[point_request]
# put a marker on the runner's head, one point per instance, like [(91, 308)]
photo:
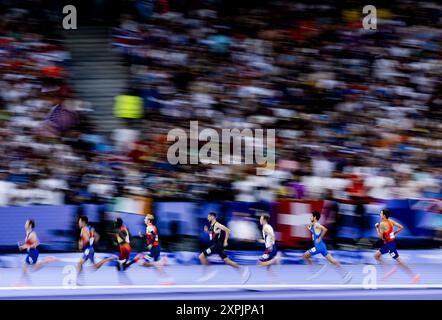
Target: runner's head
[(264, 219), (83, 221), (385, 214), (29, 224), (315, 216), (211, 217), (149, 219), (118, 223)]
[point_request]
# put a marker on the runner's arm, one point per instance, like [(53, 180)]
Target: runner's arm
[(271, 234), (323, 231), (378, 230), (143, 236), (398, 226), (226, 230), (122, 234), (96, 236), (36, 241)]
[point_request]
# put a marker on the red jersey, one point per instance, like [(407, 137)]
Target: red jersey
[(152, 235), (124, 243), (388, 235)]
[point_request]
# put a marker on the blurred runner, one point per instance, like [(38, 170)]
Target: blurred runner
[(219, 235), (30, 244), (318, 231), (270, 255), (123, 240), (386, 233), (152, 258), (88, 237)]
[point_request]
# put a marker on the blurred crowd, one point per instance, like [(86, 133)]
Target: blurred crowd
[(357, 112), (37, 111)]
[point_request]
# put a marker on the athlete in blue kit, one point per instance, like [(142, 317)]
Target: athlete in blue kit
[(31, 244), (318, 232), (88, 238)]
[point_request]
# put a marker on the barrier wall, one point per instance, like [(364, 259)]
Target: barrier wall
[(56, 225), (422, 219)]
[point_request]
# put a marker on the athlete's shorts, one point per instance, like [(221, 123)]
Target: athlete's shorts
[(215, 249), (319, 249), (269, 254), (32, 256), (88, 254), (125, 250), (154, 254), (390, 247)]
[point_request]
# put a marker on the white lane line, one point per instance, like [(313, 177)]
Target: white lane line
[(231, 286)]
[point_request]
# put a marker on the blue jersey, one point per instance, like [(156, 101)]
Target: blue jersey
[(318, 247), (316, 236), (88, 244), (87, 241)]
